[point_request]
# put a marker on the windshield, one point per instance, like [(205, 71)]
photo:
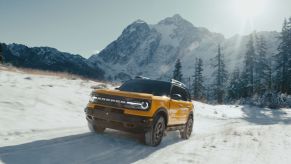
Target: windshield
[(157, 88)]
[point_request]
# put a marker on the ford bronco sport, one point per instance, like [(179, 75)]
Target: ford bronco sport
[(144, 106)]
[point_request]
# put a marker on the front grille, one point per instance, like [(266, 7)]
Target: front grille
[(113, 100), (110, 100)]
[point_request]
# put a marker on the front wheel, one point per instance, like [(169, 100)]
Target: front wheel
[(154, 136), (96, 129), (186, 132)]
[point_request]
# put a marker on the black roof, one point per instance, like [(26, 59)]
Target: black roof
[(143, 79), (175, 82)]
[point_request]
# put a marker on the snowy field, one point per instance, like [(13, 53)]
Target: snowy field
[(42, 121)]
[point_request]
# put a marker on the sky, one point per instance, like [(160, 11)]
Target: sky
[(87, 26)]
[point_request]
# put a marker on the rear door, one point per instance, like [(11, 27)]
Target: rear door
[(188, 105), (179, 107)]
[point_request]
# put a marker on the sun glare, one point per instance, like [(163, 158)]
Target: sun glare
[(248, 9)]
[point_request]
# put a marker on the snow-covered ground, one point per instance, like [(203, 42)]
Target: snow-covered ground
[(42, 121)]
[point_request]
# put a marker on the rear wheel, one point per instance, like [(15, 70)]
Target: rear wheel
[(95, 128), (154, 136), (186, 132)]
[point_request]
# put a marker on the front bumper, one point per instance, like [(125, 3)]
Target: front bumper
[(116, 119)]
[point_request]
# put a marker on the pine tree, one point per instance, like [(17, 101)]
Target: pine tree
[(220, 76), (198, 88), (289, 56), (263, 71), (1, 54), (248, 75), (283, 59), (234, 87), (177, 73)]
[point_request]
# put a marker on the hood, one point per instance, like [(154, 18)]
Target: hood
[(124, 93)]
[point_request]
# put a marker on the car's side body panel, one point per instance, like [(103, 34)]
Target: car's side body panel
[(179, 111)]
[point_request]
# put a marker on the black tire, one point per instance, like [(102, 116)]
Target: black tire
[(95, 129), (154, 136), (187, 131)]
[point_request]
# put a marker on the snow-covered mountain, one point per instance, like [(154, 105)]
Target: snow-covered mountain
[(151, 50), (146, 50), (47, 58)]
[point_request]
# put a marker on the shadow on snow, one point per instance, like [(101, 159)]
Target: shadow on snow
[(265, 116), (110, 147)]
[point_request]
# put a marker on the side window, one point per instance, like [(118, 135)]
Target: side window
[(180, 91), (184, 94)]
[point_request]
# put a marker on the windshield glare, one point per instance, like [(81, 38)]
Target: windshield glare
[(157, 88)]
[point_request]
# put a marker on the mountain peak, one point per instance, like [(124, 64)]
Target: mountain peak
[(175, 20), (138, 25), (138, 21), (177, 16)]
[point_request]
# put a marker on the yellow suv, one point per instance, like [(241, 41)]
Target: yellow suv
[(144, 106)]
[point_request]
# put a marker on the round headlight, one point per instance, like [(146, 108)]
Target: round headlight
[(92, 99), (144, 105)]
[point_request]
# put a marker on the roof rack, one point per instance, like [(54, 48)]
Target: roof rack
[(178, 83), (141, 77)]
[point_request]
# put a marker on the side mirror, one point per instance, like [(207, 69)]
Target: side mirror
[(176, 97)]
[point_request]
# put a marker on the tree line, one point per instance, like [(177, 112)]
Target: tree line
[(261, 77)]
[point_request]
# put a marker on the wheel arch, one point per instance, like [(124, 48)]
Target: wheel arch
[(191, 114), (163, 112)]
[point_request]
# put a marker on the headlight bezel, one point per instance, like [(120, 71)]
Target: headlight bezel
[(138, 104)]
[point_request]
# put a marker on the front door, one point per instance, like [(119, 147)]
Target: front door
[(179, 105)]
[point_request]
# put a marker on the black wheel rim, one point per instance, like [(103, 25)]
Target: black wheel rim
[(159, 132)]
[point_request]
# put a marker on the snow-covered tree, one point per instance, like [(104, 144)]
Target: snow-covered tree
[(220, 76), (263, 70), (177, 73), (198, 88), (283, 58), (248, 75), (234, 86), (1, 54)]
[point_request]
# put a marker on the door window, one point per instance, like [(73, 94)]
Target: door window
[(180, 91)]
